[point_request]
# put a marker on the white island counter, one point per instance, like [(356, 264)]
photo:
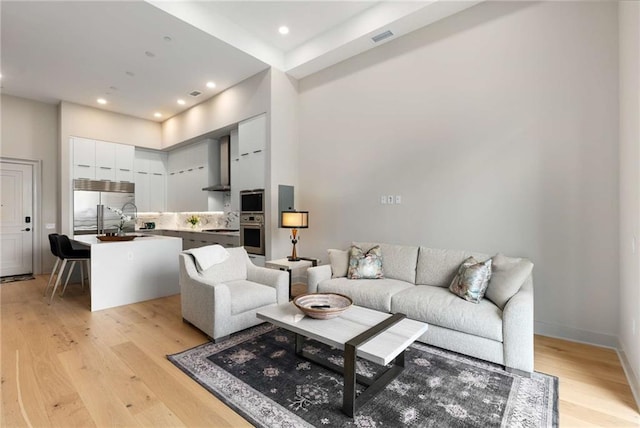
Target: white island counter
[(127, 272)]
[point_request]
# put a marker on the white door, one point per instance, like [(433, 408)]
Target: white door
[(16, 205)]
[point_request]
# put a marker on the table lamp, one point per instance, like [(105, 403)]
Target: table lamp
[(295, 220)]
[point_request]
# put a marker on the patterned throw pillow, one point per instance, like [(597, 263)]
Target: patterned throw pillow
[(365, 265), (472, 280)]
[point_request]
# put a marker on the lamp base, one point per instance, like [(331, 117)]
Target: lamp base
[(293, 259)]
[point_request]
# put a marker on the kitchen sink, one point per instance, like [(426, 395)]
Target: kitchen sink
[(221, 230)]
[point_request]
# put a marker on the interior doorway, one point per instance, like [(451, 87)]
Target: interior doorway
[(16, 218)]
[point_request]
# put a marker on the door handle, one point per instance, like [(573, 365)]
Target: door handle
[(27, 229)]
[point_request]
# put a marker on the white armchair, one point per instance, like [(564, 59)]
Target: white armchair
[(224, 299)]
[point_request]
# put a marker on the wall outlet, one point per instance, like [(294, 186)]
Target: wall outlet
[(398, 199), (383, 200), (390, 199)]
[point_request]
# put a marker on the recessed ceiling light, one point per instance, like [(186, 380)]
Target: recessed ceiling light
[(101, 101), (156, 114), (283, 30), (130, 73), (181, 102), (167, 38), (211, 85), (150, 54)]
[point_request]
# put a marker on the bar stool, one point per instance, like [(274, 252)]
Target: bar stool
[(67, 253), (53, 244)]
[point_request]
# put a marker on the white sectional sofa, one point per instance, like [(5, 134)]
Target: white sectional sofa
[(415, 283)]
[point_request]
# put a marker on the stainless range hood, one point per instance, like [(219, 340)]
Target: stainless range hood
[(225, 171)]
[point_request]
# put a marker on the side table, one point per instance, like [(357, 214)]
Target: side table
[(297, 270)]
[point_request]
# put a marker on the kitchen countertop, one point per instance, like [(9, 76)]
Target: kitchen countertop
[(220, 232)]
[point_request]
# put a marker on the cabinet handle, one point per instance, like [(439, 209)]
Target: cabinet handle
[(156, 173), (124, 169), (172, 173), (85, 166), (142, 172), (244, 154), (190, 169), (200, 167), (180, 172), (104, 167), (257, 151)]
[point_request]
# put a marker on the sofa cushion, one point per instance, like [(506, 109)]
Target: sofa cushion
[(339, 260), (398, 261), (438, 267), (365, 265), (247, 295), (508, 276), (438, 306), (235, 267), (370, 293), (472, 279)]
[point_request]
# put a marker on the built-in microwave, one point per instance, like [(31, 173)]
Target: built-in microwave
[(252, 201)]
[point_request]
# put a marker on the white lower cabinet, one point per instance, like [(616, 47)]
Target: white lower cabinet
[(257, 260)]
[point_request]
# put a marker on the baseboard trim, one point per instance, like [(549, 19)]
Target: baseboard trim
[(633, 381), (576, 335)]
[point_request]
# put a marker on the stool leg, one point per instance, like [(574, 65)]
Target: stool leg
[(82, 273), (73, 265), (53, 272), (60, 273)]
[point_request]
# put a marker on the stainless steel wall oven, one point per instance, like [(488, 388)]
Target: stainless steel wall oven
[(252, 233)]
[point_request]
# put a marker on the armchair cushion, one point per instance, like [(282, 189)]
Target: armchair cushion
[(246, 295)]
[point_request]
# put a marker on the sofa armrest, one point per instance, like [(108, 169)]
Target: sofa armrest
[(316, 275), (517, 329), (277, 279)]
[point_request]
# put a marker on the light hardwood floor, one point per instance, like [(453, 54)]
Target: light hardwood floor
[(65, 366)]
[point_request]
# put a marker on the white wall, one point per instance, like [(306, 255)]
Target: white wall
[(242, 101), (282, 163), (629, 18), (499, 128), (30, 132), (82, 121)]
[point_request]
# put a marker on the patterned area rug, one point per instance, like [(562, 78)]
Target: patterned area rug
[(14, 278), (257, 373)]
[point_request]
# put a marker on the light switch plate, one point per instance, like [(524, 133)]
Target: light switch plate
[(50, 226)]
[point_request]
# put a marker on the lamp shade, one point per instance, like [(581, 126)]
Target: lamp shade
[(295, 219)]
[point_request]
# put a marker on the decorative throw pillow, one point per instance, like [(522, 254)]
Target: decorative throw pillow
[(339, 260), (365, 265), (472, 279), (508, 276)]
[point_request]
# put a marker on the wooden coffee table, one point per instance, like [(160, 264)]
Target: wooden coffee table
[(375, 336)]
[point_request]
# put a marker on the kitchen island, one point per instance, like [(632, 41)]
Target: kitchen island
[(126, 272)]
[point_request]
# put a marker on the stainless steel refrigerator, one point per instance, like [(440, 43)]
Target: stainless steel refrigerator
[(91, 200)]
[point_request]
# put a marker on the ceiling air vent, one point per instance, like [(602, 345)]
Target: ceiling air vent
[(382, 36), (195, 93)]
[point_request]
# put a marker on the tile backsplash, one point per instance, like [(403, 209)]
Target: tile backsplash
[(178, 221)]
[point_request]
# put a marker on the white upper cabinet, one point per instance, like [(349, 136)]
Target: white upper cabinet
[(188, 174), (124, 162), (101, 160), (252, 141), (252, 135), (151, 180), (105, 161), (84, 158)]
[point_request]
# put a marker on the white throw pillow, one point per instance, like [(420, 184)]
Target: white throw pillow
[(339, 260), (508, 276)]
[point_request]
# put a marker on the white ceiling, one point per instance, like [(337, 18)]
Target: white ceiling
[(79, 51)]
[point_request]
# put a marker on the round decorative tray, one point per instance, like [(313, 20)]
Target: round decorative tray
[(116, 238), (322, 306)]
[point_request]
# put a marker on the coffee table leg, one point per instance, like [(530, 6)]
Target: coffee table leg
[(349, 398), (299, 343)]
